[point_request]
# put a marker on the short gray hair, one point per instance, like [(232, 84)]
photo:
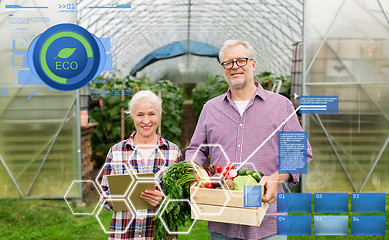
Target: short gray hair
[(142, 95), (231, 43)]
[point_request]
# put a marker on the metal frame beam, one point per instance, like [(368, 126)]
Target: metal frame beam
[(11, 176)]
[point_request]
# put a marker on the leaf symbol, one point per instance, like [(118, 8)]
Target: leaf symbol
[(65, 52)]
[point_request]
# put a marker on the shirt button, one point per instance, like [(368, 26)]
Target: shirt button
[(238, 145), (240, 125)]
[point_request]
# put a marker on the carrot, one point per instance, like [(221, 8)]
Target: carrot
[(197, 178)]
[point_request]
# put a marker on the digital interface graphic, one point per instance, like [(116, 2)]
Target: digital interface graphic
[(330, 60), (66, 57)]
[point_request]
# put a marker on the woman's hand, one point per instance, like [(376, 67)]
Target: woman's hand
[(110, 203), (154, 197)]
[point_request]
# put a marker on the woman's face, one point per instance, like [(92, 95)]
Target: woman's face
[(146, 118)]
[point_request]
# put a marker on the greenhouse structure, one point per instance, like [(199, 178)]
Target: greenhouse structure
[(328, 47)]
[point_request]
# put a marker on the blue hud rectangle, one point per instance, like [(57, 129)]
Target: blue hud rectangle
[(252, 196), (319, 104), (368, 202), (292, 152), (331, 225), (331, 202), (367, 225), (294, 202), (294, 225)]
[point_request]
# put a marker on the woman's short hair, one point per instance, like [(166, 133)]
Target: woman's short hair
[(231, 43), (144, 95)]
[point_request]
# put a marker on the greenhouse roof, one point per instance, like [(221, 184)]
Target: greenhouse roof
[(271, 26), (174, 50)]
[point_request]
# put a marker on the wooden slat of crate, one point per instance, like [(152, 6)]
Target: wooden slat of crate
[(242, 216), (212, 200)]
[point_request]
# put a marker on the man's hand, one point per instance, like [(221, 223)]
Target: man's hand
[(154, 197), (271, 183)]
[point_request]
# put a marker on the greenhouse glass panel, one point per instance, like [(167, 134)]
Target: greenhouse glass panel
[(39, 127), (346, 45), (39, 143)]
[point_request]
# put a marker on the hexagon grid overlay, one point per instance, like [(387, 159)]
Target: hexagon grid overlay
[(117, 168), (164, 224), (101, 224), (69, 205)]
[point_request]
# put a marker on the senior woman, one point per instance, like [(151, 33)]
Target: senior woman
[(139, 152)]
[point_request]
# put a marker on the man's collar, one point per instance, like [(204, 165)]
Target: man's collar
[(259, 92)]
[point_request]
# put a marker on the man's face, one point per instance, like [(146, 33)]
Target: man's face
[(237, 77)]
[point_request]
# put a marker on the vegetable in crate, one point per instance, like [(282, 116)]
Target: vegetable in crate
[(176, 185), (227, 168), (233, 173), (203, 174), (228, 184), (242, 171), (242, 181), (256, 176), (210, 170), (218, 168)]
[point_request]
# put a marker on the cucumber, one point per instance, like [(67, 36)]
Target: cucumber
[(250, 172), (256, 177), (242, 171)]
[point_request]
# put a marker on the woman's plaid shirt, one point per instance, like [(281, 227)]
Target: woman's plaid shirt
[(120, 158)]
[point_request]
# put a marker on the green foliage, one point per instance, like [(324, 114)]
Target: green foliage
[(173, 108), (176, 186), (212, 87), (108, 132), (268, 79)]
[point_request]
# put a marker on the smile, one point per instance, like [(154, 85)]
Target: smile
[(236, 74)]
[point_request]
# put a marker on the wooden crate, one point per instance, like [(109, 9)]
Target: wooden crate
[(212, 201)]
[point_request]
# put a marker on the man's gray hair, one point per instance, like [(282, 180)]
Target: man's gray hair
[(144, 95), (231, 43)]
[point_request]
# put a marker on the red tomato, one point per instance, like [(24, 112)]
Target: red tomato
[(228, 177), (227, 168), (218, 168), (209, 185)]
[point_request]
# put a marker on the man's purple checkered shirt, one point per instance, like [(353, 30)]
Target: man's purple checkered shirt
[(221, 123)]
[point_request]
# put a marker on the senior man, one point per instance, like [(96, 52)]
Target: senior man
[(239, 121)]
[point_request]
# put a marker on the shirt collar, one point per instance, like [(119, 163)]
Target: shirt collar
[(260, 92), (161, 141)]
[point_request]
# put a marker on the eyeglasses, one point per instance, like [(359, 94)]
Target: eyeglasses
[(240, 62)]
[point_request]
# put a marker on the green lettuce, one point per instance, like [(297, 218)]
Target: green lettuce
[(242, 181)]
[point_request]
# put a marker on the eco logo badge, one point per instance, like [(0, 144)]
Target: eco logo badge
[(66, 57)]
